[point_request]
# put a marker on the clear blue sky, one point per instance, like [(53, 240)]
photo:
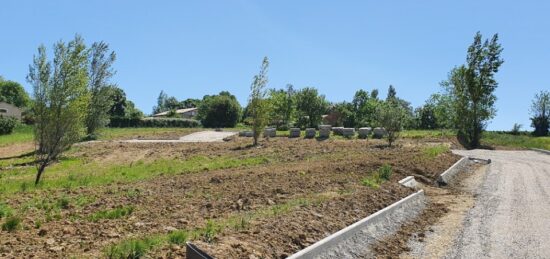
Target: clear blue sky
[(193, 48)]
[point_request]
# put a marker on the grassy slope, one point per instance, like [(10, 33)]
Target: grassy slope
[(521, 141), (21, 134)]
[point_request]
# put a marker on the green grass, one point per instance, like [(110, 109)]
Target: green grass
[(207, 233), (21, 134), (516, 141), (377, 178), (115, 213), (5, 210), (72, 173), (434, 151), (419, 134), (12, 224)]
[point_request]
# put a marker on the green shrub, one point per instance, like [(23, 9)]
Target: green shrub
[(123, 122), (219, 111), (63, 203), (7, 124), (11, 224), (385, 172)]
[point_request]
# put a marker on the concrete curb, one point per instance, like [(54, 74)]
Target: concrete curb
[(355, 239), (409, 182), (450, 173), (541, 150)]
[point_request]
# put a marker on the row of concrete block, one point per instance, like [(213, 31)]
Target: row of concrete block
[(324, 132)]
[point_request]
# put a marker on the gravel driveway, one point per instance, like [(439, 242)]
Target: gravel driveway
[(202, 136), (511, 215)]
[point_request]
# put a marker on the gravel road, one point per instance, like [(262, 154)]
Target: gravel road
[(511, 215)]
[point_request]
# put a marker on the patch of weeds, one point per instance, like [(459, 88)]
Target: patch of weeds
[(38, 224), (385, 172), (12, 224), (63, 203), (239, 223), (111, 214), (132, 248), (5, 210), (211, 230), (434, 151), (178, 237), (380, 176)]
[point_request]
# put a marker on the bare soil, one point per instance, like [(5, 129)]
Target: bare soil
[(327, 173)]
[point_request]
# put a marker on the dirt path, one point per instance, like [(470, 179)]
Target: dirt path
[(511, 214), (203, 136)]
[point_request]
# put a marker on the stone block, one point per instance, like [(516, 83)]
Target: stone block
[(324, 131), (379, 133), (270, 133), (348, 132), (338, 130), (364, 132), (294, 133), (310, 133)]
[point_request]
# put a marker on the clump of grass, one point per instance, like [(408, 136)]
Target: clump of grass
[(5, 210), (63, 203), (111, 214), (132, 248), (435, 151), (380, 176), (178, 237), (211, 230), (12, 224)]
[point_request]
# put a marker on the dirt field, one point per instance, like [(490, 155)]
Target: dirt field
[(299, 192)]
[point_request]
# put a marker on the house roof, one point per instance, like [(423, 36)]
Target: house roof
[(178, 111)]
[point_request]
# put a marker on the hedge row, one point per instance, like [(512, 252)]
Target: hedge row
[(153, 123)]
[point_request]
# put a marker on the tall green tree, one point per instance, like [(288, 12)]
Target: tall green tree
[(540, 112), (310, 106), (283, 106), (472, 86), (100, 73), (121, 107), (258, 107), (61, 99), (391, 116), (13, 93), (219, 111)]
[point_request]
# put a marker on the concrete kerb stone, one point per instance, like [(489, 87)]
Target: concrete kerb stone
[(356, 238), (409, 181), (310, 133), (447, 176), (294, 133)]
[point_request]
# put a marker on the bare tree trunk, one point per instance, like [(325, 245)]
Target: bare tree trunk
[(39, 172)]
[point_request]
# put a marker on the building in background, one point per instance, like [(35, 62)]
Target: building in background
[(8, 110)]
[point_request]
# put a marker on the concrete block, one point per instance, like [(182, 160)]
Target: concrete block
[(242, 133), (447, 176), (294, 133), (337, 130), (379, 133), (270, 133), (364, 132), (324, 131), (249, 134), (310, 133), (348, 132)]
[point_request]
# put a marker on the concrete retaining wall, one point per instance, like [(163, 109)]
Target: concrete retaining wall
[(447, 176), (354, 240)]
